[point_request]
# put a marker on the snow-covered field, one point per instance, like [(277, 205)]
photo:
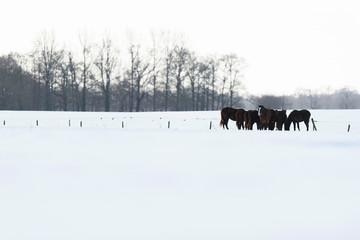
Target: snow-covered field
[(130, 176)]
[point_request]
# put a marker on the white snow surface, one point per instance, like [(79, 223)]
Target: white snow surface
[(129, 176)]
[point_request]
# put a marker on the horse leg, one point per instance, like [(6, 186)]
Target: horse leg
[(225, 124), (298, 125), (238, 125), (294, 126), (307, 125), (272, 126)]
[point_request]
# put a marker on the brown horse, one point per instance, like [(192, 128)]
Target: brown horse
[(280, 117), (240, 117), (298, 116), (267, 118), (252, 117), (226, 114)]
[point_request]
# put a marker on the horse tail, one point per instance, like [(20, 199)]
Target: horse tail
[(221, 123)]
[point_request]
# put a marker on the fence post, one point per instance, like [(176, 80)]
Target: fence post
[(69, 123), (168, 124), (37, 122), (80, 123), (4, 122), (210, 124), (314, 126), (349, 127), (122, 124)]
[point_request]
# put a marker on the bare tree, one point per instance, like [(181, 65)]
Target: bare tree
[(180, 64), (106, 63), (47, 59), (85, 67), (213, 64), (205, 75), (137, 75), (233, 67), (64, 83), (155, 68), (168, 64), (74, 83), (193, 75)]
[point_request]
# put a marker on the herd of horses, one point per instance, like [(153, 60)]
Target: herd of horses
[(265, 119)]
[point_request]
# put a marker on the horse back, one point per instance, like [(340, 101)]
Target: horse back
[(240, 114), (305, 114), (228, 112), (299, 115)]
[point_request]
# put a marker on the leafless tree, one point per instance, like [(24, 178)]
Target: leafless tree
[(180, 64), (204, 85), (74, 83), (47, 59), (137, 75), (168, 64), (194, 75), (212, 63), (155, 67), (64, 83), (106, 63), (233, 67), (85, 67)]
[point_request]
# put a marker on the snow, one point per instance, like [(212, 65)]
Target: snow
[(148, 181)]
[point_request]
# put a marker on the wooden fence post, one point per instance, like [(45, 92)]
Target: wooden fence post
[(314, 126), (168, 124), (210, 124), (349, 127)]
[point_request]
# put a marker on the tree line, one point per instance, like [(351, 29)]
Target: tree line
[(164, 76), (167, 76), (344, 98)]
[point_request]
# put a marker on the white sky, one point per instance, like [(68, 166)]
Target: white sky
[(287, 44)]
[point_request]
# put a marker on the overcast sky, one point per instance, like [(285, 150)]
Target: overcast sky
[(288, 45)]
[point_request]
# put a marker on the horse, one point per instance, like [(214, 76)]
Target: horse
[(226, 114), (296, 117), (267, 117), (280, 117), (239, 116), (252, 117)]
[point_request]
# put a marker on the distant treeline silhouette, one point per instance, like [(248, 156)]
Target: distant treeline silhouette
[(167, 76)]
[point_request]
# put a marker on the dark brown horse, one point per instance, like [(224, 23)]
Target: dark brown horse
[(298, 116), (267, 118), (280, 117), (240, 117), (226, 114), (252, 117)]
